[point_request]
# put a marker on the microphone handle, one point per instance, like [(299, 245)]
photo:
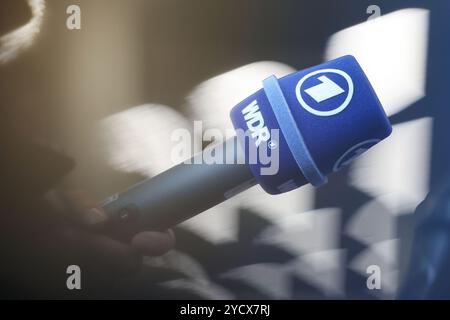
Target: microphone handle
[(177, 194)]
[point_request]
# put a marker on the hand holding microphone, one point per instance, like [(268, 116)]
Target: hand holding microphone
[(295, 130)]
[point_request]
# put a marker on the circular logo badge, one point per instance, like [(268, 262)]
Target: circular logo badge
[(354, 152), (325, 92)]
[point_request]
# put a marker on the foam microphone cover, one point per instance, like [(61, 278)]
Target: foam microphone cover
[(325, 117)]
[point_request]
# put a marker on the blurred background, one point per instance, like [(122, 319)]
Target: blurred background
[(110, 94)]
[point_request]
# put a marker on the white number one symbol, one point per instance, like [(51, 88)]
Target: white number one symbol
[(324, 91)]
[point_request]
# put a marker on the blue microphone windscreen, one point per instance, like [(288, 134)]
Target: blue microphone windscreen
[(311, 123)]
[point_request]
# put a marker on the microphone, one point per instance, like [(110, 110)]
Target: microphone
[(295, 130)]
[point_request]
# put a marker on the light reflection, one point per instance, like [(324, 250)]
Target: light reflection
[(392, 50), (12, 43), (139, 139)]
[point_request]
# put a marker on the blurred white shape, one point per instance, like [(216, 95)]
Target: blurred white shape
[(307, 232), (12, 43), (180, 262), (396, 171), (274, 280), (139, 139), (373, 222), (387, 250), (212, 100), (381, 254), (392, 50), (324, 270), (198, 281), (216, 225)]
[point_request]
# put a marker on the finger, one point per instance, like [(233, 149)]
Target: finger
[(153, 243)]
